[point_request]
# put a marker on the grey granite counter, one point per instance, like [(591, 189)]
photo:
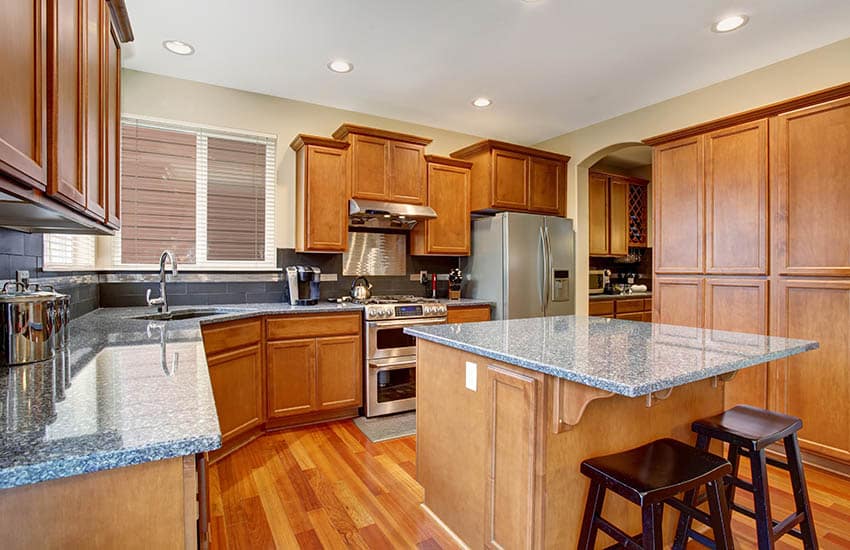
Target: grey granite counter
[(633, 295), (466, 302), (625, 357), (125, 391)]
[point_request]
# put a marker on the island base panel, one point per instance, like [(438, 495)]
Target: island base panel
[(489, 460)]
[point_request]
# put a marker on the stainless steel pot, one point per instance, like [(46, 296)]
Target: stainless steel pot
[(62, 318), (27, 329), (361, 289)]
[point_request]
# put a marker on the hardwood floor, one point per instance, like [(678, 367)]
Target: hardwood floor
[(329, 487)]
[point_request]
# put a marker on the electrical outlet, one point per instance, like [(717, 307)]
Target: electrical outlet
[(471, 376)]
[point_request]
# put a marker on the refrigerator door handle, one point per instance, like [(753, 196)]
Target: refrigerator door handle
[(543, 250), (548, 277)]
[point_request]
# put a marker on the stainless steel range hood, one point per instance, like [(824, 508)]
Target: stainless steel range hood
[(389, 215)]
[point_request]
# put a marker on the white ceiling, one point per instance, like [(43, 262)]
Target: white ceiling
[(550, 66)]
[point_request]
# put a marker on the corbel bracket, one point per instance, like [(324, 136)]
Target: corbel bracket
[(569, 401)]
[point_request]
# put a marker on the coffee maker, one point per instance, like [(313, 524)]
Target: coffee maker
[(302, 285)]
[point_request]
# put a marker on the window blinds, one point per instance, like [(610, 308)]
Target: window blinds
[(208, 195), (64, 252)]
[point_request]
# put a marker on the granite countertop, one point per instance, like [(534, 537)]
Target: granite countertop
[(125, 391), (625, 357), (633, 295), (466, 302)]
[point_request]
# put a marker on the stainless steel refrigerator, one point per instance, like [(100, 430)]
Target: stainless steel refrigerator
[(523, 263)]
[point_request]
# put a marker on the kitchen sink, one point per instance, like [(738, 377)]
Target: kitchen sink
[(182, 314)]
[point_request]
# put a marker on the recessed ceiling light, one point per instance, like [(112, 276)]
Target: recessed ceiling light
[(730, 23), (178, 47), (340, 66), (482, 102)]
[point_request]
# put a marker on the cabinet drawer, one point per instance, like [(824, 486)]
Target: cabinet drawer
[(647, 304), (306, 326), (468, 314), (630, 316), (601, 308), (629, 306), (231, 335)]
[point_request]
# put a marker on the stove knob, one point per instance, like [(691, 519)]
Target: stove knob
[(387, 313)]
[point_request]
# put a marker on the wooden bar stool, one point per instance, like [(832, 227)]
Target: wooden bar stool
[(651, 476), (749, 431)]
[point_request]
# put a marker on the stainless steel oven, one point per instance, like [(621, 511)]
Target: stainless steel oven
[(391, 361)]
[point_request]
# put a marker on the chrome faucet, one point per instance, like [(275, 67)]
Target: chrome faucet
[(161, 302)]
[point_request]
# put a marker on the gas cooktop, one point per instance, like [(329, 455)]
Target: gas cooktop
[(388, 299)]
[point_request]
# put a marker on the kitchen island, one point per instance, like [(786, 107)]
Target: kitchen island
[(507, 410)]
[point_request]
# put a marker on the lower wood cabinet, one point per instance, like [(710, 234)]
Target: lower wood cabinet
[(338, 372), (628, 309), (470, 314), (678, 301)]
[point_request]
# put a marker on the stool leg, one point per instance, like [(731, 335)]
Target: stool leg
[(653, 538), (761, 498), (684, 527), (720, 516), (592, 510), (734, 458), (801, 493)]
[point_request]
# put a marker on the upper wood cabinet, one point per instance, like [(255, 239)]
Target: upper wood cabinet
[(61, 131), (321, 203), (448, 195), (511, 177), (384, 165), (23, 109), (810, 170), (609, 213), (736, 200), (678, 188)]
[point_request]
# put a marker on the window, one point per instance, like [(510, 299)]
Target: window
[(205, 194), (68, 252)]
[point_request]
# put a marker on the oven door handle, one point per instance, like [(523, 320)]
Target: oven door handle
[(379, 365), (406, 322)]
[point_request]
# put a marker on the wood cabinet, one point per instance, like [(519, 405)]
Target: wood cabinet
[(678, 301), (629, 309), (61, 131), (609, 213), (736, 200), (384, 165), (448, 195), (810, 168), (321, 202), (23, 111), (515, 178), (739, 305), (314, 365), (815, 386), (467, 314)]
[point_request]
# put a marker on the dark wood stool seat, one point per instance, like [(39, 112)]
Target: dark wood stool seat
[(749, 427), (749, 431), (651, 476)]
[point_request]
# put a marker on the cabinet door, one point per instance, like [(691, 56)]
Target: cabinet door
[(739, 305), (325, 223), (95, 182), (23, 108), (237, 382), (597, 199), (618, 217), (473, 314), (370, 167), (678, 301), (407, 173), (112, 127), (815, 385), (810, 168), (514, 438), (546, 188), (291, 367), (510, 180), (678, 201), (339, 365), (736, 200), (66, 105), (448, 195)]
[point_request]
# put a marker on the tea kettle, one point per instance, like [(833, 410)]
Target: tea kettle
[(361, 289)]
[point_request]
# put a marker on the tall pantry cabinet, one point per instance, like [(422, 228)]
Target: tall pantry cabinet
[(752, 215)]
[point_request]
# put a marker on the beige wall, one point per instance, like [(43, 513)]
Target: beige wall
[(814, 70), (184, 100)]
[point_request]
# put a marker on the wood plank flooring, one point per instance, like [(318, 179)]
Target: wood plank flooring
[(328, 486)]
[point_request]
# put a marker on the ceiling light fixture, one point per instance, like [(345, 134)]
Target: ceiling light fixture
[(340, 66), (482, 102), (178, 47), (728, 24)]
